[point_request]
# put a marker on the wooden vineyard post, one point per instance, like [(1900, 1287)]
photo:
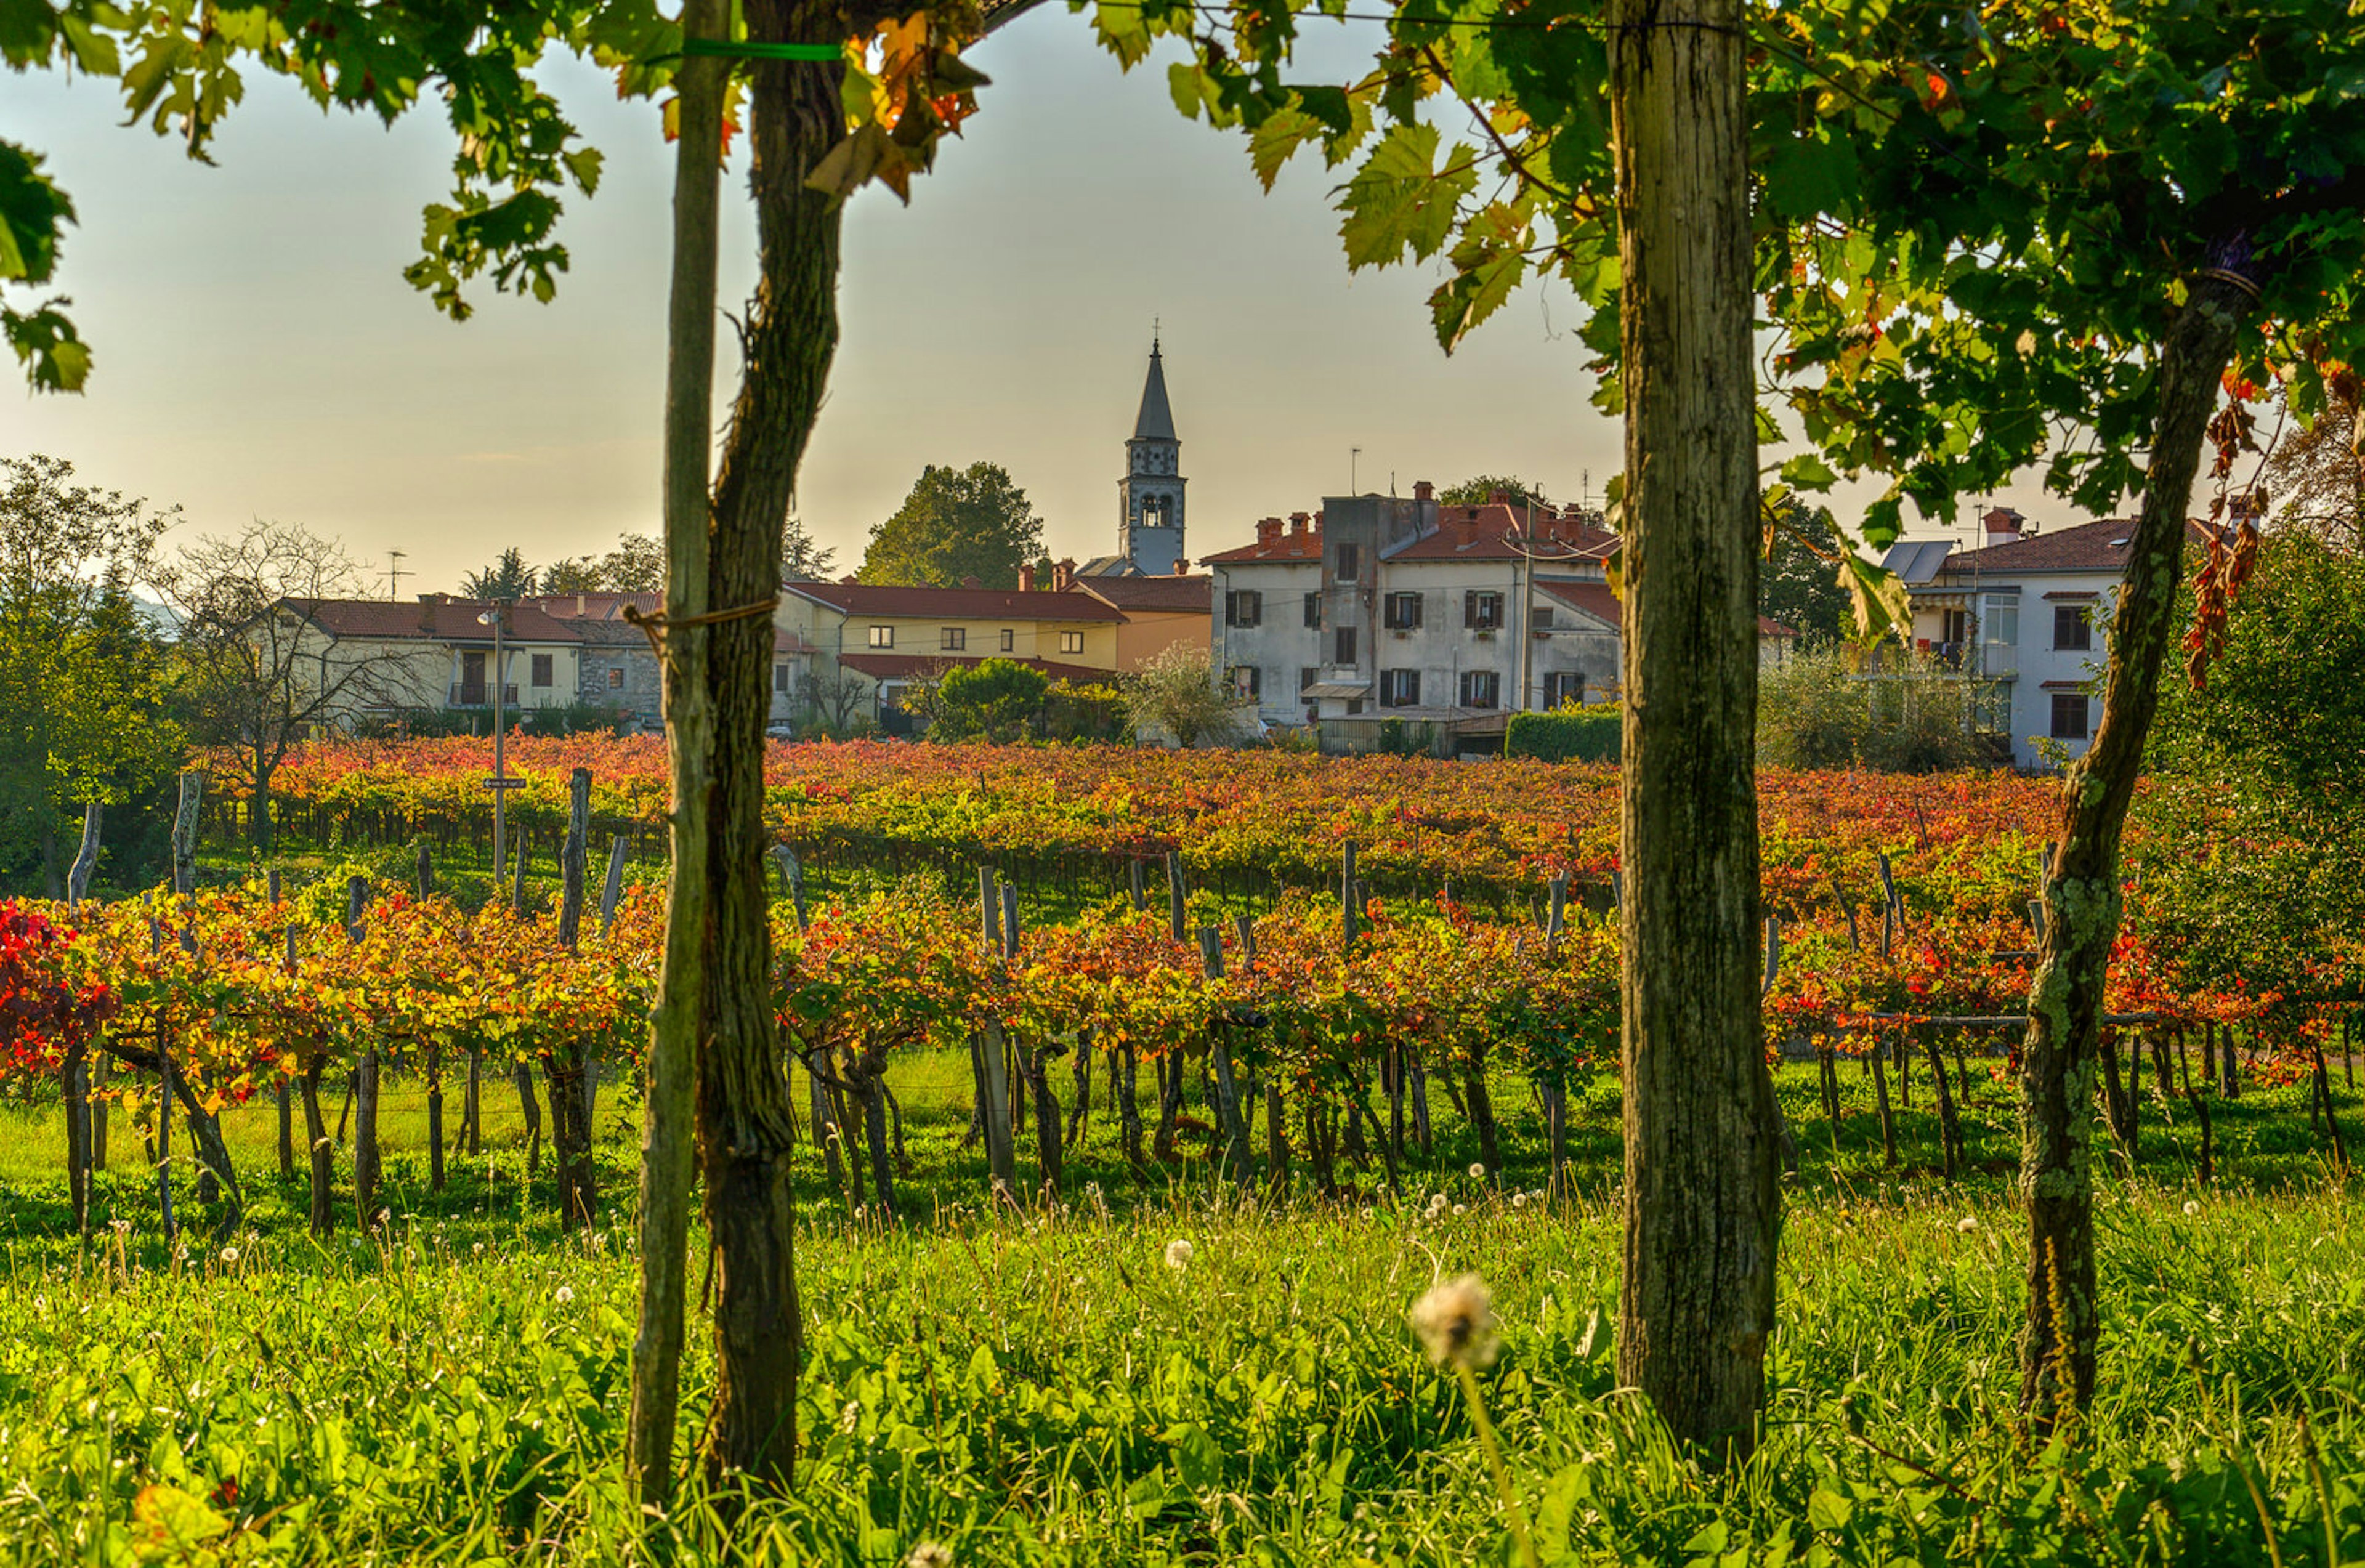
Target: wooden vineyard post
[(531, 1106), (569, 1071), (993, 1053), (77, 1095), (472, 1105), (163, 1147), (365, 1079), (792, 876), (185, 833), (1347, 908), (1877, 1050), (1140, 892), (1174, 895), (1228, 1097), (1950, 1132), (611, 891), (2322, 1087), (1034, 1062), (517, 892), (425, 873), (283, 1089)]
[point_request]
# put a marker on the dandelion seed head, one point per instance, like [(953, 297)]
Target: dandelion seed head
[(1455, 1322), (230, 1254), (1966, 1224), (1178, 1254), (1461, 1208), (1478, 1173), (563, 1294), (2191, 1206), (1518, 1199), (928, 1555)]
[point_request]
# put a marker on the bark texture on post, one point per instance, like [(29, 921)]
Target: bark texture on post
[(666, 1126), (2059, 1059), (1703, 1203)]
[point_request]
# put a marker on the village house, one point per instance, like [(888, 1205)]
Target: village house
[(2025, 620), (435, 655), (1441, 619)]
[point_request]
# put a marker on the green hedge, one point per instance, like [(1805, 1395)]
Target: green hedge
[(1587, 736)]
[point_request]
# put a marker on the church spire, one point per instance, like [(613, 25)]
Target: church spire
[(1156, 420)]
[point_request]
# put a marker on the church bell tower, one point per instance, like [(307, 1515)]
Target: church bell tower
[(1149, 497)]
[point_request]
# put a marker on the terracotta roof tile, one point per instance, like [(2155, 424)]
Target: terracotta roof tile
[(431, 617), (2084, 547), (961, 604), (1171, 595)]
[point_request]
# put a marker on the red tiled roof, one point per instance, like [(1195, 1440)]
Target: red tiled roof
[(1304, 546), (431, 617), (956, 604), (602, 606), (1494, 531), (1170, 595), (2083, 547), (1597, 600), (908, 666)]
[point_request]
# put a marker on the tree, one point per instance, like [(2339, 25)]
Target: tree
[(636, 564), (801, 560), (573, 573), (993, 700), (1795, 584), (256, 673), (1908, 715), (2314, 474), (509, 577), (956, 524), (1480, 489), (1177, 693), (81, 714)]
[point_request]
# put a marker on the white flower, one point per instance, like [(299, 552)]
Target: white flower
[(479, 1248), (928, 1555), (563, 1294), (1478, 1173), (230, 1254), (1518, 1199), (1966, 1224), (861, 1212), (849, 1416), (1461, 1208), (1438, 1199), (1456, 1323), (120, 1226), (1178, 1254), (2191, 1206)]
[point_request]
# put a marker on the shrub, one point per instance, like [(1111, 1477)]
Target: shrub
[(1571, 734), (996, 700), (1176, 693), (1909, 714)]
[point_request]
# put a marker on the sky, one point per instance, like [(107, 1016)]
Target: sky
[(258, 353)]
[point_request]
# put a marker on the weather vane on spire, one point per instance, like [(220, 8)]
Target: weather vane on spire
[(1153, 334)]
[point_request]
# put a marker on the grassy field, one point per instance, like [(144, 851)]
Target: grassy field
[(1042, 1387)]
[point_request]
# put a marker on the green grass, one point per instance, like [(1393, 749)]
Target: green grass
[(1042, 1388)]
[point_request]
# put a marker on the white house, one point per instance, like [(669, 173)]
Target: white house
[(2026, 618)]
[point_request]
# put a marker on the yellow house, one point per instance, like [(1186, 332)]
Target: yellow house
[(890, 638), (1160, 612)]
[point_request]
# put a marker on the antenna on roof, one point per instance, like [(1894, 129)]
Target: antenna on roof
[(395, 572), (1352, 454)]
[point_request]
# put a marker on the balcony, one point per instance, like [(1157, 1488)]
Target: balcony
[(479, 694)]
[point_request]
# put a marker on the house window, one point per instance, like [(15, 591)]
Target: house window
[(1307, 675), (779, 678), (2002, 623), (1480, 689), (1072, 642), (1540, 616), (2068, 715), (1243, 607), (1481, 611), (1342, 645), (1009, 640), (545, 669), (1314, 611), (2073, 631), (1564, 689), (1402, 611), (1399, 687), (1354, 706), (1954, 626), (955, 640), (615, 679), (1245, 680), (882, 636), (1346, 563)]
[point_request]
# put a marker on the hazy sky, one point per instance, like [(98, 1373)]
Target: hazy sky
[(258, 353)]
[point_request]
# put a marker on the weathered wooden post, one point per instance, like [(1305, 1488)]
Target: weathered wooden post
[(1140, 892), (517, 888), (992, 1051), (1174, 895), (185, 833), (366, 1158), (425, 874), (612, 891), (1227, 1096), (793, 877)]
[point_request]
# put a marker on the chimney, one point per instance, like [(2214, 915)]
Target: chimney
[(426, 603), (1269, 528), (2002, 523), (1318, 522), (582, 604), (1025, 580), (1182, 566), (1063, 575), (1298, 520), (1498, 496)]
